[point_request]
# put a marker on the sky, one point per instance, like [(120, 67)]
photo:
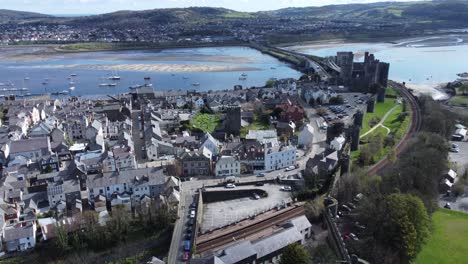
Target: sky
[(105, 6)]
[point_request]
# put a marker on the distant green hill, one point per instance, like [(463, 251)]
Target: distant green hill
[(399, 11), (14, 16), (188, 16), (437, 14)]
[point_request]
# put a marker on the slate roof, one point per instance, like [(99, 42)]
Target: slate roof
[(237, 252), (276, 242), (18, 231), (27, 145)]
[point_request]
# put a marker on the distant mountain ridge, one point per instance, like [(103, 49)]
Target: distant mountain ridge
[(418, 12), (12, 15)]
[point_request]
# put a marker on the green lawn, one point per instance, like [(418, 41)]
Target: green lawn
[(396, 127), (448, 240), (205, 122), (257, 124), (391, 92), (380, 110), (458, 100)]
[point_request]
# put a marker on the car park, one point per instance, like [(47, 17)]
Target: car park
[(230, 186)]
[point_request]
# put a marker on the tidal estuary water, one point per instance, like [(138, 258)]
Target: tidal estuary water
[(423, 63), (196, 68)]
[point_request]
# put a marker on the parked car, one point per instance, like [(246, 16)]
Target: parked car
[(290, 168), (353, 236), (192, 213), (190, 222), (454, 148), (187, 245), (344, 207), (259, 184), (261, 174), (230, 186), (186, 256), (256, 196), (286, 188), (447, 206)]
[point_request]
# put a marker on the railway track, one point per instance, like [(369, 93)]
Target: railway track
[(240, 234), (415, 126)]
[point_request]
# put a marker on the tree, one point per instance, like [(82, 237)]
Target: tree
[(295, 254), (270, 83), (62, 239), (397, 221), (314, 208)]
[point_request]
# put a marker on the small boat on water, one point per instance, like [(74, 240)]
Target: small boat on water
[(242, 78), (112, 84), (136, 86), (147, 78), (273, 68), (195, 84), (244, 75), (71, 83), (71, 88), (103, 84), (172, 74), (73, 75), (185, 78), (26, 78), (114, 78)]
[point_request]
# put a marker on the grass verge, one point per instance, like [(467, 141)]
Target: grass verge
[(447, 243)]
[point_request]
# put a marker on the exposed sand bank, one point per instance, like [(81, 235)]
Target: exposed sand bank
[(146, 67)]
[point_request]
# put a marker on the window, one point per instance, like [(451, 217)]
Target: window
[(108, 188)]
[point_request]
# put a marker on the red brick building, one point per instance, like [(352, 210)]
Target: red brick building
[(291, 111)]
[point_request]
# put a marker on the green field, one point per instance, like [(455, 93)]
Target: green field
[(458, 100), (448, 241), (380, 110), (205, 122)]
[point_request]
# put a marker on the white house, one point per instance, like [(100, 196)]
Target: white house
[(337, 143), (227, 166), (306, 136), (20, 237), (211, 143), (199, 102), (279, 157)]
